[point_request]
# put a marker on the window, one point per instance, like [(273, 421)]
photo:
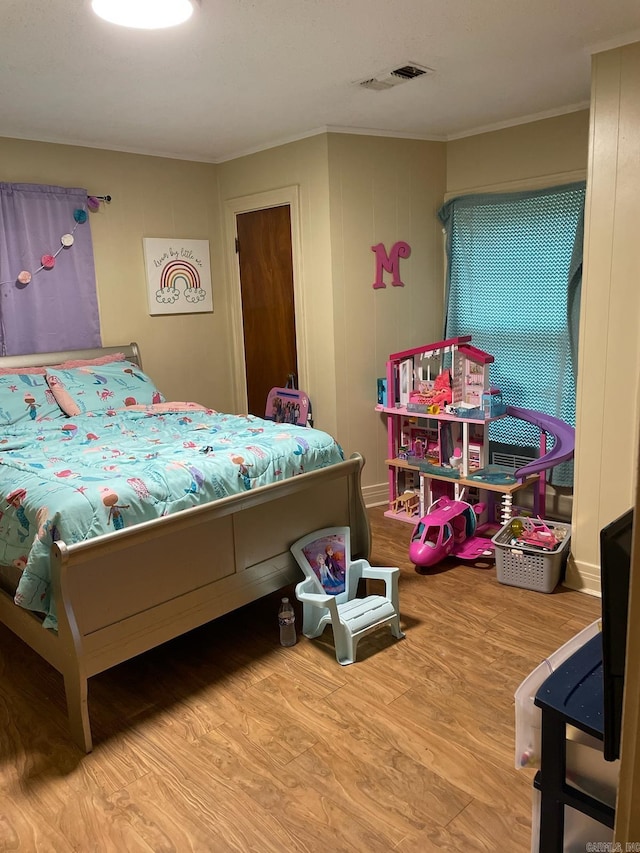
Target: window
[(509, 261)]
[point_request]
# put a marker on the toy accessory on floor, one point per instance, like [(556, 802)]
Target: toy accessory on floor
[(448, 529), (328, 593)]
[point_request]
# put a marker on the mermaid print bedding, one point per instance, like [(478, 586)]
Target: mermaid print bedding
[(71, 479)]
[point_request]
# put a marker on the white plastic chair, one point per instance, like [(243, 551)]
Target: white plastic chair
[(328, 593)]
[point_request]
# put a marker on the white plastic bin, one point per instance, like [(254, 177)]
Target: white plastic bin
[(589, 772), (579, 829), (528, 715)]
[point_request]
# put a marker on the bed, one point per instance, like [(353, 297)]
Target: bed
[(103, 559)]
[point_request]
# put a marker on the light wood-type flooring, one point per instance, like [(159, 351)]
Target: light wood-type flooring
[(223, 740)]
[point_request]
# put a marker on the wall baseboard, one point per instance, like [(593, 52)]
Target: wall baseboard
[(584, 577), (376, 495)]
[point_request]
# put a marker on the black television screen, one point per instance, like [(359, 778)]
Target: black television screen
[(615, 569)]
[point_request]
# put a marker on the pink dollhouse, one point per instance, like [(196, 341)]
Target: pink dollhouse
[(439, 402)]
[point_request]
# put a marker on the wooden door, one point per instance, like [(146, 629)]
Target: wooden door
[(268, 311)]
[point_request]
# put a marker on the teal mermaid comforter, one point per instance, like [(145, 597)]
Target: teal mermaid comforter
[(76, 478)]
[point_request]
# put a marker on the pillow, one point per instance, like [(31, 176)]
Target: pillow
[(76, 362), (26, 397), (5, 371), (98, 388), (83, 362)]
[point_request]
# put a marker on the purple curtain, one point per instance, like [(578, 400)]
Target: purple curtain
[(58, 309)]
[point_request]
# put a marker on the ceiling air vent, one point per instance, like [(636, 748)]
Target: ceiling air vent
[(388, 79)]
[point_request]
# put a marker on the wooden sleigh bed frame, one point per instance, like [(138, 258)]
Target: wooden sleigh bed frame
[(236, 551)]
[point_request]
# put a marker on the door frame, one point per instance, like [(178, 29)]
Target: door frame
[(246, 204)]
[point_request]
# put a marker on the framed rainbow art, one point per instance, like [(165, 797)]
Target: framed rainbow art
[(178, 275)]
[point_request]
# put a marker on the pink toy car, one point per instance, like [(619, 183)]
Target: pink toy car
[(448, 530)]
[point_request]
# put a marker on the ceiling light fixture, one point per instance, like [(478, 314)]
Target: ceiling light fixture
[(144, 14)]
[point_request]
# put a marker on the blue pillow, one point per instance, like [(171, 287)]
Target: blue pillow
[(26, 397), (99, 388)]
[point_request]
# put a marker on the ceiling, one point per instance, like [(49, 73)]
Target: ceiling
[(243, 75)]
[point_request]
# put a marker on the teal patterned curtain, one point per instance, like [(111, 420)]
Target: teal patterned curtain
[(513, 283)]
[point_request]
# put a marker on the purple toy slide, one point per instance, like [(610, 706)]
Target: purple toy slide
[(563, 433)]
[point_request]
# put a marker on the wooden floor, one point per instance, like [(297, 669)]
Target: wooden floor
[(222, 740)]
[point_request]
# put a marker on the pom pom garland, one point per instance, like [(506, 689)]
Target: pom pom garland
[(48, 261)]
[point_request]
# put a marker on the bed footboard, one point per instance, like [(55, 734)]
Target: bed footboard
[(123, 593)]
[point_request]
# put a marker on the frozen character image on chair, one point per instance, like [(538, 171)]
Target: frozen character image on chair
[(326, 555), (323, 571), (332, 579), (335, 568)]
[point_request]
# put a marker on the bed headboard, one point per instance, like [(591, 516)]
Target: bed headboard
[(45, 359)]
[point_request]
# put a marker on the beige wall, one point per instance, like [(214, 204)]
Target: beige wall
[(382, 190), (152, 197), (540, 153), (609, 353)]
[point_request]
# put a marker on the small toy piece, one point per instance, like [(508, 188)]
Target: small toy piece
[(438, 395), (448, 529), (407, 502), (535, 532)]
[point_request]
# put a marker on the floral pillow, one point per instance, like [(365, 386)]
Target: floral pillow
[(99, 388), (26, 397)]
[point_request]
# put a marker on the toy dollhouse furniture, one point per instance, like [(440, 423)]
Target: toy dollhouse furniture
[(328, 593), (408, 502)]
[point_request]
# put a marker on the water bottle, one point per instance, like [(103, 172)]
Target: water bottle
[(287, 622)]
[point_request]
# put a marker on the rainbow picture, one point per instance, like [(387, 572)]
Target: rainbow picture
[(178, 275)]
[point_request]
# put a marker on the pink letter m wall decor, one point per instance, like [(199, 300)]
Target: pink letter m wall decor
[(390, 262)]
